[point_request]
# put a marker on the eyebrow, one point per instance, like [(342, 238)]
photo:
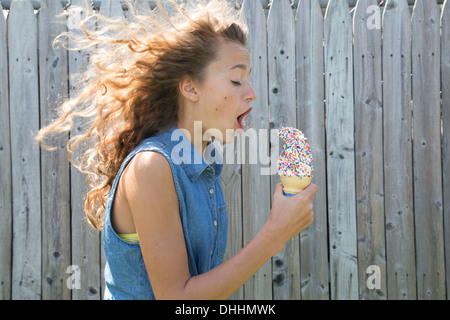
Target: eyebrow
[(241, 66)]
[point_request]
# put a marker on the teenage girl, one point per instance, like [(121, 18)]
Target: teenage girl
[(149, 84)]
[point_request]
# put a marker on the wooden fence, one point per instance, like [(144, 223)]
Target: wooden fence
[(355, 80)]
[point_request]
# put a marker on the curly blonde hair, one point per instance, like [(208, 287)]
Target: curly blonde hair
[(130, 89)]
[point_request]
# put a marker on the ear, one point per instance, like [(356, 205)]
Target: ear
[(188, 89)]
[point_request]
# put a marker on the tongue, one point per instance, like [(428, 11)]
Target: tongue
[(241, 125)]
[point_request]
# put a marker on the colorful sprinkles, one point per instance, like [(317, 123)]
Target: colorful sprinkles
[(296, 157)]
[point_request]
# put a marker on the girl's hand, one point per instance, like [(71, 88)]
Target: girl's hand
[(290, 215)]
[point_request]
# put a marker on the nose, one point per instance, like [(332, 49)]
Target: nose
[(250, 94)]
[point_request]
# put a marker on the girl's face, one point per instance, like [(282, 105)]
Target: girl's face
[(225, 94)]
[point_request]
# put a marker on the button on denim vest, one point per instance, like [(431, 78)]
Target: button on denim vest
[(202, 212)]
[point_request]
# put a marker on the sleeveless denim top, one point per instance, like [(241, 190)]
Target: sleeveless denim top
[(202, 211)]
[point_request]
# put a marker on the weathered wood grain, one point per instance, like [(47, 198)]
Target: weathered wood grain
[(5, 170), (85, 241), (281, 61), (340, 150), (369, 150), (111, 9), (26, 180), (55, 170), (256, 194), (427, 151), (311, 120), (398, 171), (231, 179), (445, 89)]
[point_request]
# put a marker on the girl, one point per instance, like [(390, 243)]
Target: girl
[(163, 218)]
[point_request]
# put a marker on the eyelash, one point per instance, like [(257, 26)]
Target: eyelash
[(236, 83)]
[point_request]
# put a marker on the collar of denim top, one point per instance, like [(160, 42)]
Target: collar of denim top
[(193, 163)]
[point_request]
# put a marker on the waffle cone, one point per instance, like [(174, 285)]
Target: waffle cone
[(293, 185)]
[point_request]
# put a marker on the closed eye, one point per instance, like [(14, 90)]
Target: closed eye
[(236, 83)]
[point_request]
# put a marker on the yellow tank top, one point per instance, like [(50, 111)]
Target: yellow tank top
[(129, 237)]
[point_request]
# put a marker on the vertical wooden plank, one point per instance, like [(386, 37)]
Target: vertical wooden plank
[(55, 170), (398, 181), (111, 8), (445, 81), (311, 120), (427, 151), (5, 170), (282, 101), (255, 180), (24, 114), (369, 150), (231, 179), (85, 241), (340, 150)]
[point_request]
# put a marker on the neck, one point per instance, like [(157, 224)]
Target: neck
[(195, 134)]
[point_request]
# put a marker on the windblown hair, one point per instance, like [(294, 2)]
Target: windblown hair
[(129, 91)]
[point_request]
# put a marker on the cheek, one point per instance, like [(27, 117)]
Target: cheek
[(227, 107), (221, 106)]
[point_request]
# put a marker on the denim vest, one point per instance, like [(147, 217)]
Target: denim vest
[(202, 211)]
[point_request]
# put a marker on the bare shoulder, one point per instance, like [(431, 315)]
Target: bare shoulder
[(150, 161), (148, 178), (147, 165)]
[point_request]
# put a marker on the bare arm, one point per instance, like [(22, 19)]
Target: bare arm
[(152, 198)]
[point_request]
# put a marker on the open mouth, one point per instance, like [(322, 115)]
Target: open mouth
[(241, 117)]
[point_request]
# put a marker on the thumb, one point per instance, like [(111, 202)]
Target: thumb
[(278, 189)]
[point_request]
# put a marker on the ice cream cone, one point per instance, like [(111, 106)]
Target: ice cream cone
[(293, 185), (295, 164)]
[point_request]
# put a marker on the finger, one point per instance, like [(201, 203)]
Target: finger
[(310, 190)]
